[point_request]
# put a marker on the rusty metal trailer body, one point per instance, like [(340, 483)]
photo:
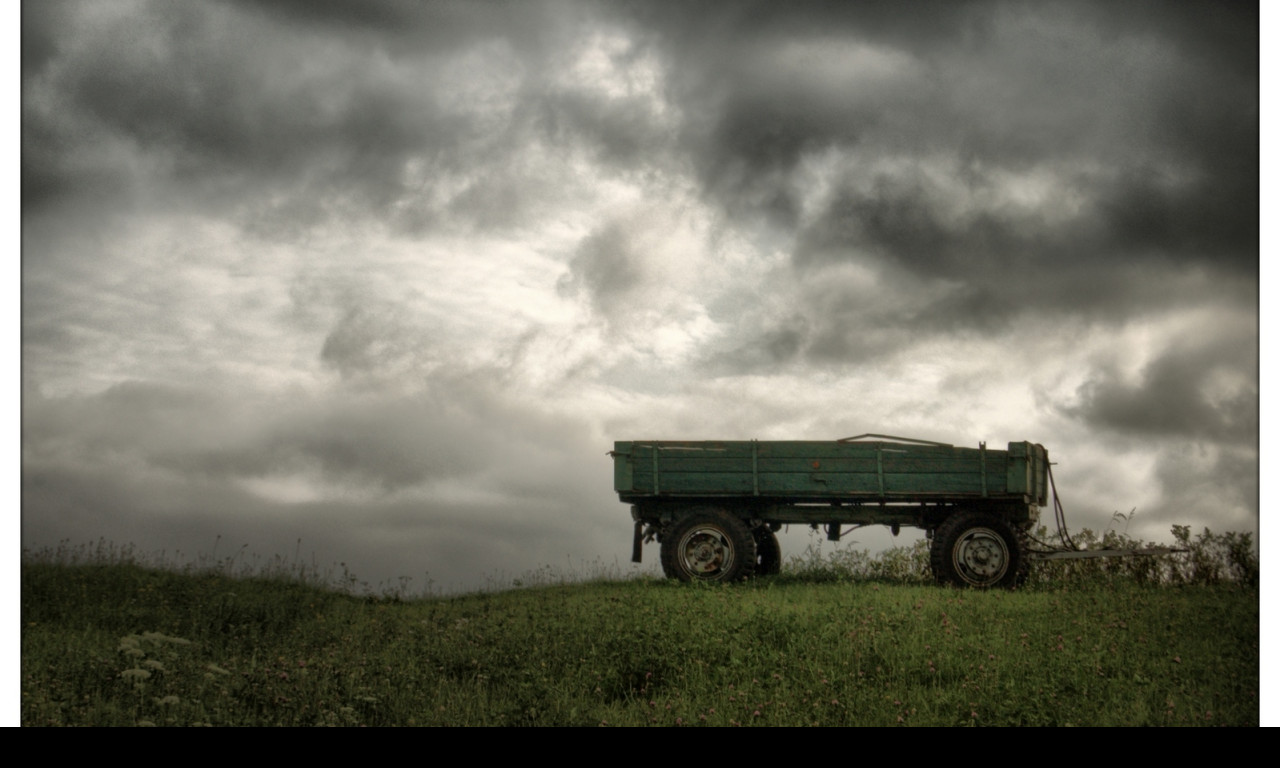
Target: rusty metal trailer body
[(714, 505)]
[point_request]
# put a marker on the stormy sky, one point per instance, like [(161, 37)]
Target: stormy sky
[(380, 283)]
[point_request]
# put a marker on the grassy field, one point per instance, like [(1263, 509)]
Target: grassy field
[(122, 644)]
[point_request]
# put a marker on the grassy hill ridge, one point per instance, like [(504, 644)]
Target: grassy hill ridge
[(123, 644)]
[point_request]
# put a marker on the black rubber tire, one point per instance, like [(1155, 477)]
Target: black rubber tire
[(768, 552), (708, 545), (978, 549)]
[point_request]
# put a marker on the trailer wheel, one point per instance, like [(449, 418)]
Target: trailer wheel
[(710, 545), (768, 552), (977, 549)]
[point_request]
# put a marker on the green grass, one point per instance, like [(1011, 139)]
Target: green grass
[(122, 644)]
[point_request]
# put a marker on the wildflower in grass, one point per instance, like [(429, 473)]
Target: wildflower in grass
[(153, 664), (166, 701), (135, 674)]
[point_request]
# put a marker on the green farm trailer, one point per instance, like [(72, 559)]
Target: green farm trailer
[(715, 506)]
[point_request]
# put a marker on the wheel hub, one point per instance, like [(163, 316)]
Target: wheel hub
[(981, 557), (706, 552)]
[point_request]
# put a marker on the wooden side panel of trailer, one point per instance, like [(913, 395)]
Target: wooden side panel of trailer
[(818, 470)]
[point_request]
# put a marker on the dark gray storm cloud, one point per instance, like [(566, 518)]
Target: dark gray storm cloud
[(1060, 161), (373, 340), (987, 83), (236, 102), (297, 114), (1147, 114), (606, 267), (1174, 395)]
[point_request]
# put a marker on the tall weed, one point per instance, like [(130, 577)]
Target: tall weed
[(1207, 558)]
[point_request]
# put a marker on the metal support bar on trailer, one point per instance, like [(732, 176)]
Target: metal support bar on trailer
[(755, 468), (982, 459)]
